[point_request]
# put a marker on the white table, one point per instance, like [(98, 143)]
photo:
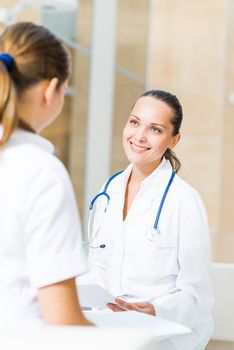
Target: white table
[(75, 338), (157, 327), (115, 331)]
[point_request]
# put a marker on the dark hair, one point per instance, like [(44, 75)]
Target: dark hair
[(176, 120), (37, 55)]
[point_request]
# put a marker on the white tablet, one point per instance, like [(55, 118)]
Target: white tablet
[(94, 296)]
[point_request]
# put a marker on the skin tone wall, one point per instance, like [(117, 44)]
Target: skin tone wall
[(191, 54)]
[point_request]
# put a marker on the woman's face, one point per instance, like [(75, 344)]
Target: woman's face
[(148, 133)]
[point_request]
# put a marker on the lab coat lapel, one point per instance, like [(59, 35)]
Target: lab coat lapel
[(117, 194), (141, 204), (151, 192)]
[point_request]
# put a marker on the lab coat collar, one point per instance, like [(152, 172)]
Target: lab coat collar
[(121, 180), (23, 136), (151, 191), (156, 182), (160, 175), (162, 170)]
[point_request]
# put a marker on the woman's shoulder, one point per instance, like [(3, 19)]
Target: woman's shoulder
[(30, 156), (183, 186), (185, 191), (115, 181)]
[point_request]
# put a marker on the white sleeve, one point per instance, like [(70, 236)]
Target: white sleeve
[(53, 238), (193, 298)]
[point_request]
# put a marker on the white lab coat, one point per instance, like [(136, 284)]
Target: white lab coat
[(40, 236), (170, 269)]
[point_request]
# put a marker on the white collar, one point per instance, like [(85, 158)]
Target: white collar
[(162, 169), (160, 173), (28, 137)]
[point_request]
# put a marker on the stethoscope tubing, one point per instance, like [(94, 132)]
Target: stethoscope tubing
[(104, 193), (163, 199)]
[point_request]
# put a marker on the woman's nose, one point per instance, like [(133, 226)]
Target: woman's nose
[(140, 135)]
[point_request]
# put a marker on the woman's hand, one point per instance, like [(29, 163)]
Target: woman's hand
[(122, 305)]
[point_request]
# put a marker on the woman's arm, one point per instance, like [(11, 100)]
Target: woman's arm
[(191, 303), (59, 304), (192, 298)]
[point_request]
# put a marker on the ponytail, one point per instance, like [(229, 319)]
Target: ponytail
[(29, 54), (8, 117), (175, 163)]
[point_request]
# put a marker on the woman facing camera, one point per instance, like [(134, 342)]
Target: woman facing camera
[(149, 239)]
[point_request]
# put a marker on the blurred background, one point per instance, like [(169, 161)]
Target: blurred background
[(119, 49)]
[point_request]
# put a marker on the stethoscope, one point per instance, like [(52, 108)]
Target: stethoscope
[(151, 234)]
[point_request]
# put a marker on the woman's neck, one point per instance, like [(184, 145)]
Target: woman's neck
[(27, 116), (30, 109), (23, 125), (137, 175), (140, 173)]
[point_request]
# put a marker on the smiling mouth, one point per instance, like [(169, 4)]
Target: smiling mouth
[(138, 149)]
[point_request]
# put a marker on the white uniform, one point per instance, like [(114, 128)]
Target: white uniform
[(40, 236), (170, 269)]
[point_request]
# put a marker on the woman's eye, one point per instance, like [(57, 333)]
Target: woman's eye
[(133, 122), (156, 130)]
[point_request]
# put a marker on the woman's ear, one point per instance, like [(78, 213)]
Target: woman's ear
[(175, 140), (51, 91)]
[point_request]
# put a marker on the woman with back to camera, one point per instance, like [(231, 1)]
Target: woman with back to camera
[(40, 239), (149, 236)]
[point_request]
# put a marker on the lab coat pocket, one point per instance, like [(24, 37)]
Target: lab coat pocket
[(163, 244), (165, 254), (160, 240)]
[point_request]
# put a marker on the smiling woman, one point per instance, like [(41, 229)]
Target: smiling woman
[(152, 242), (149, 132)]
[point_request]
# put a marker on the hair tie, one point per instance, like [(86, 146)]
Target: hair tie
[(8, 60)]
